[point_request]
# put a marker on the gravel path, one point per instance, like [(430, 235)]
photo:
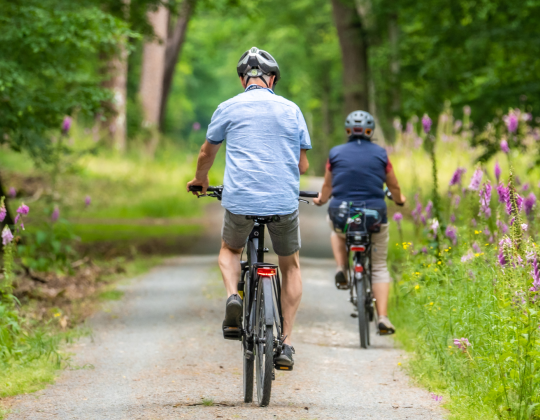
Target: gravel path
[(158, 353)]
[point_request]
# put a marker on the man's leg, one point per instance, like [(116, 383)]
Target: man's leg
[(229, 264), (291, 292)]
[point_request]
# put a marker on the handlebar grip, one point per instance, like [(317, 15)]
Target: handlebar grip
[(198, 188), (309, 194), (400, 204)]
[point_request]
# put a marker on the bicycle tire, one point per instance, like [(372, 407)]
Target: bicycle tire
[(363, 315), (265, 350), (249, 363)]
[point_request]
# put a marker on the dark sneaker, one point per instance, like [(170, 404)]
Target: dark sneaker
[(385, 326), (232, 324), (341, 280), (285, 359)]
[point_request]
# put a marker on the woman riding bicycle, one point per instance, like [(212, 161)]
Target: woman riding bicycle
[(356, 173)]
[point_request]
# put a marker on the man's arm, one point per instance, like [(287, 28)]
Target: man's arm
[(303, 165), (393, 186), (204, 163), (326, 190)]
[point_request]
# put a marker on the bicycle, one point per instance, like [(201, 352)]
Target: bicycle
[(262, 320), (361, 224)]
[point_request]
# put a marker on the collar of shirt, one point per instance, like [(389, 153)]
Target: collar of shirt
[(254, 86)]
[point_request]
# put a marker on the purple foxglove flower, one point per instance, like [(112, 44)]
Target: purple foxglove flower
[(456, 178), (7, 236), (22, 225), (502, 227), (535, 273), (424, 250), (398, 217), (66, 125), (12, 192), (451, 233), (505, 242), (467, 257), (504, 193), (196, 126), (87, 201), (461, 343), (429, 207), (525, 186), (524, 227), (511, 122), (17, 217), (457, 200), (497, 171), (504, 146), (485, 200), (467, 110), (434, 226), (55, 214), (476, 180), (423, 219), (453, 218), (476, 247), (519, 203), (3, 213), (529, 203), (426, 123), (23, 209)]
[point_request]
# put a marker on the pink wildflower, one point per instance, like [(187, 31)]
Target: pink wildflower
[(87, 201), (504, 146), (426, 123), (23, 209), (497, 171), (511, 121), (476, 180), (55, 214), (7, 236), (12, 192), (66, 125)]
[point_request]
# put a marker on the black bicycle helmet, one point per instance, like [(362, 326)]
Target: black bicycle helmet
[(360, 124), (256, 63)]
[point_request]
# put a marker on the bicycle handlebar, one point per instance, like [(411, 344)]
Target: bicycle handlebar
[(391, 197), (198, 188)]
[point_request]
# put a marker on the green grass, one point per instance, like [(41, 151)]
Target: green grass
[(115, 232), (43, 356)]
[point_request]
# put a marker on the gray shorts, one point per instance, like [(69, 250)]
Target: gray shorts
[(285, 234)]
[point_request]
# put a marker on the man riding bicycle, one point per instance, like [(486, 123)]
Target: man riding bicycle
[(267, 140), (356, 173)]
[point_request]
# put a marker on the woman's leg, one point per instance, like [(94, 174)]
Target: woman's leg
[(379, 269)]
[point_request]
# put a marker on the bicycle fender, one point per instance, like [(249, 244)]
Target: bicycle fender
[(268, 301)]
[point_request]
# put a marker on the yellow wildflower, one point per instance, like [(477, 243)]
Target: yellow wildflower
[(431, 303), (417, 287)]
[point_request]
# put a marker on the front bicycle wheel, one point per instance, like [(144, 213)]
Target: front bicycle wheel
[(264, 342), (363, 314)]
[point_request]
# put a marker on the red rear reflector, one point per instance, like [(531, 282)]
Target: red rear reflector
[(266, 272), (359, 269), (358, 130), (360, 248)]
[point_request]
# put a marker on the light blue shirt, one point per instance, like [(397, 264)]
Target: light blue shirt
[(264, 134)]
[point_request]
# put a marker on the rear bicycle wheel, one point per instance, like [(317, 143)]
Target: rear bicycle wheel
[(249, 359), (264, 342), (363, 314)]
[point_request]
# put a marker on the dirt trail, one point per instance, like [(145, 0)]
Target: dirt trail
[(159, 353)]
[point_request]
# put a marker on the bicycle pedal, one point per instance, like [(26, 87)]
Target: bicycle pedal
[(232, 333), (354, 315), (283, 368)]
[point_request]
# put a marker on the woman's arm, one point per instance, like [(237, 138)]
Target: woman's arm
[(393, 186), (326, 191)]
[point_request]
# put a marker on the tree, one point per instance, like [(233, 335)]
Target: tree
[(354, 54), (174, 46), (153, 68)]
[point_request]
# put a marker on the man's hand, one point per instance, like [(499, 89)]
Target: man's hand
[(203, 183)]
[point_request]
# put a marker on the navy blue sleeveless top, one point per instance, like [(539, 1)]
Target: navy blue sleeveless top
[(359, 170)]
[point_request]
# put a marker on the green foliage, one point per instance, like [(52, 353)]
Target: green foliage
[(48, 51), (49, 248)]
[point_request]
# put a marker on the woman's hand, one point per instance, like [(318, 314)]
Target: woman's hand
[(318, 201)]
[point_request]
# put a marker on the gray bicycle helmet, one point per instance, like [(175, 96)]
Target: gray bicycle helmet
[(256, 63), (360, 124)]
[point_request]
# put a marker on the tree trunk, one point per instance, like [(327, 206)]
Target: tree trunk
[(354, 47), (393, 38), (115, 125), (153, 66), (174, 47)]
